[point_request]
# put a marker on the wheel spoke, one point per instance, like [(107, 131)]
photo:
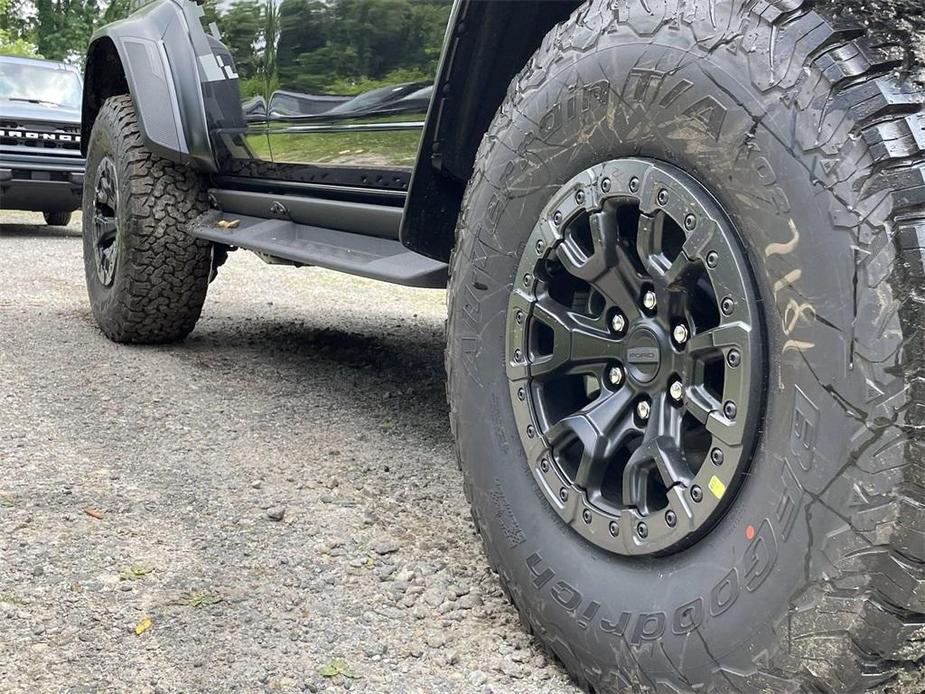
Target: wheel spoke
[(579, 343), (650, 246), (602, 427), (105, 229), (659, 453)]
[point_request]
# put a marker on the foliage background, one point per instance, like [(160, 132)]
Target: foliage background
[(316, 46)]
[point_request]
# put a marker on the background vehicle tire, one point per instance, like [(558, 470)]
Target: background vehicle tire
[(146, 276), (810, 138), (57, 219)]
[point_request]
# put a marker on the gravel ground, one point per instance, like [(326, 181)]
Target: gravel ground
[(277, 495)]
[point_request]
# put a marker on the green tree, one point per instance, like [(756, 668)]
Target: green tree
[(63, 27)]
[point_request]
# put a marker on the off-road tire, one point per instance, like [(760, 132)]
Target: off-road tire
[(57, 219), (162, 272), (810, 134)]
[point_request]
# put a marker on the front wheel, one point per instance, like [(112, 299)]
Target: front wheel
[(57, 219), (682, 374), (146, 275)]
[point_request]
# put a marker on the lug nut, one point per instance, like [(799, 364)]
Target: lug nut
[(634, 184), (662, 197), (614, 528), (586, 516), (643, 409), (734, 358), (605, 184), (680, 333), (616, 375), (717, 457), (727, 305), (618, 322), (671, 518), (729, 409), (690, 221), (676, 391), (696, 494), (563, 494), (648, 300), (712, 258), (643, 530)]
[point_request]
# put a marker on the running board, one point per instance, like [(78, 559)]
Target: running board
[(367, 256)]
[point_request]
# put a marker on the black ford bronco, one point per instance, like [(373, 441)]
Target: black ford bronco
[(41, 167), (684, 246)]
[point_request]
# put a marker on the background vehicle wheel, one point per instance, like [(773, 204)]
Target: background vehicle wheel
[(682, 373), (57, 219), (146, 276)]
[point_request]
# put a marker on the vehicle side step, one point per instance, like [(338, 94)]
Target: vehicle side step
[(356, 254)]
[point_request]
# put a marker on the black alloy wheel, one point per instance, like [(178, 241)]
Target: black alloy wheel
[(636, 359)]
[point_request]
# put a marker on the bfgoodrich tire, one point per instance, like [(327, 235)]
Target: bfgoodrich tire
[(146, 275), (808, 139)]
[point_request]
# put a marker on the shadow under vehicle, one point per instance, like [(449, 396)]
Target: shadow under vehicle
[(682, 245)]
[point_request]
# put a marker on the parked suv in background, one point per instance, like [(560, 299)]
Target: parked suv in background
[(41, 167), (684, 243)]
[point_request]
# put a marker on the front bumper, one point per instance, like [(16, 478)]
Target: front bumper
[(41, 183)]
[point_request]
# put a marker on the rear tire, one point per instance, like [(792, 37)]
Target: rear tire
[(57, 219), (146, 275), (814, 578)]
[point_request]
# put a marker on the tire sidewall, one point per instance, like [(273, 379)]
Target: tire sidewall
[(712, 604)]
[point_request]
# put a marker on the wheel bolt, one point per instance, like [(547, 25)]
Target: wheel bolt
[(563, 494), (618, 322), (519, 316), (557, 218), (662, 197), (544, 465), (680, 333), (671, 518), (676, 391), (531, 432), (729, 409), (643, 530), (648, 300), (634, 184), (690, 221), (616, 375), (696, 494), (579, 197), (605, 184), (727, 305), (528, 278), (712, 258), (643, 409), (540, 246), (518, 355), (734, 358), (521, 394), (614, 528), (586, 516), (716, 455)]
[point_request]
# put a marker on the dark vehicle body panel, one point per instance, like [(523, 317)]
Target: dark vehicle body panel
[(261, 122), (41, 166)]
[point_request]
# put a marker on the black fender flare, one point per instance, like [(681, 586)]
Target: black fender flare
[(158, 55)]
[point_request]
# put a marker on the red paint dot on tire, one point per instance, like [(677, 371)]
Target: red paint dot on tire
[(749, 532)]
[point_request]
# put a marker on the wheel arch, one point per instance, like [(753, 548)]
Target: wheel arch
[(486, 45), (151, 56)]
